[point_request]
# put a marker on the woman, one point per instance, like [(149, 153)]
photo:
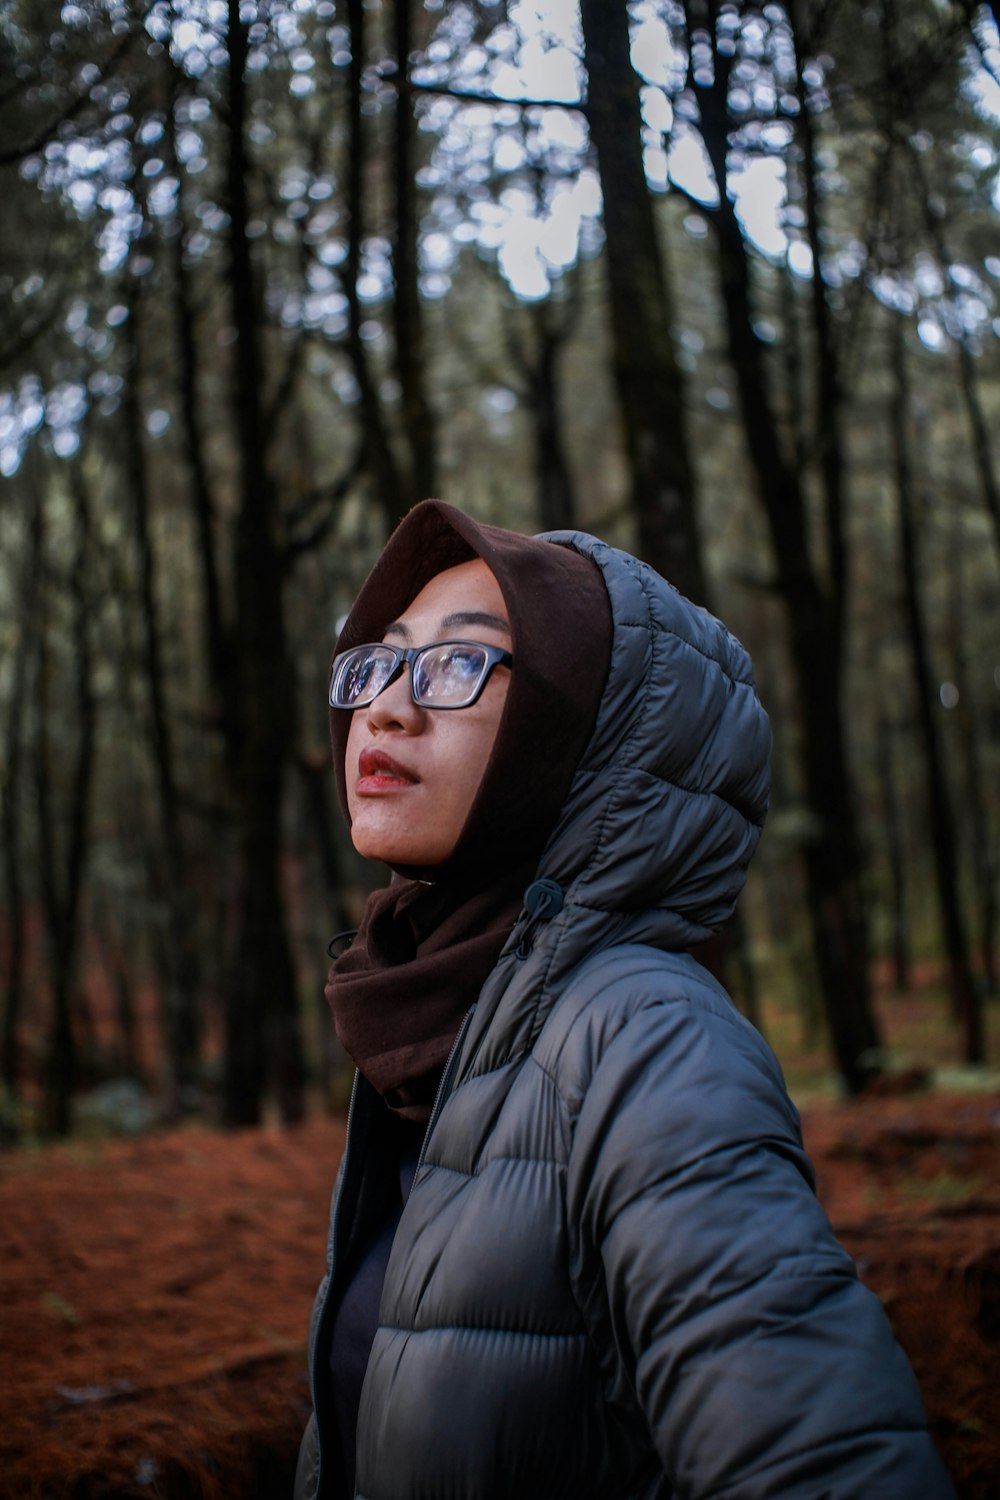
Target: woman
[(574, 1249)]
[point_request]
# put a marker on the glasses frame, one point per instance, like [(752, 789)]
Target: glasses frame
[(407, 656)]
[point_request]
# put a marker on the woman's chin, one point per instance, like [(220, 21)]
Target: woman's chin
[(398, 851)]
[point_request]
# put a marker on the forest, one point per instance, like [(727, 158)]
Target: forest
[(718, 282)]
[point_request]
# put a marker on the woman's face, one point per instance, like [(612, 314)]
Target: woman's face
[(412, 772)]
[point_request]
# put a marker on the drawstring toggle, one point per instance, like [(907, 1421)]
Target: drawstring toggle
[(543, 900)]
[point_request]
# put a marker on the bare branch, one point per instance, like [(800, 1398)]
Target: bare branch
[(329, 497), (74, 108), (471, 96)]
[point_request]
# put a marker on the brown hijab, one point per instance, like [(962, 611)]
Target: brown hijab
[(429, 939)]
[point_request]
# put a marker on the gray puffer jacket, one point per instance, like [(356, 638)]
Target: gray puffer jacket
[(612, 1277)]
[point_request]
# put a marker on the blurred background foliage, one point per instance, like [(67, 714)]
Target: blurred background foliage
[(716, 281)]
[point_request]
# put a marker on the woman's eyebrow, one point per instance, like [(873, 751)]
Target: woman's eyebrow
[(475, 617), (458, 620)]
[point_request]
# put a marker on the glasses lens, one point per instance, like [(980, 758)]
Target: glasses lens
[(360, 675), (449, 675)]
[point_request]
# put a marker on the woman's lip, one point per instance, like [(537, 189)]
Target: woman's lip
[(378, 772)]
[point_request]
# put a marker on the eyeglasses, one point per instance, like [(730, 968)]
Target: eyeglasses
[(447, 674)]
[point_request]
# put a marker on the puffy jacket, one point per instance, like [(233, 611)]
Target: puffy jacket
[(612, 1277)]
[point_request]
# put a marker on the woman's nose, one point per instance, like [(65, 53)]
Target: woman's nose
[(394, 707)]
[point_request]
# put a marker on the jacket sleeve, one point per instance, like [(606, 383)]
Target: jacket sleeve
[(762, 1365)]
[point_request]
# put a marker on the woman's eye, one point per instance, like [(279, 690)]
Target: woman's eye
[(461, 663), (360, 676)]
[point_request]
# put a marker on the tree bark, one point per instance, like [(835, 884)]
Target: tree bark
[(536, 358), (393, 491), (11, 827), (316, 791), (181, 978), (419, 424), (966, 1002), (263, 1040), (899, 926), (979, 431), (647, 376), (982, 454), (828, 437), (118, 974), (215, 628), (553, 480), (977, 819), (62, 868), (815, 616)]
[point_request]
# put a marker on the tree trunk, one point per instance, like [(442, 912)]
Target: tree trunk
[(976, 803), (831, 853), (393, 491), (648, 379), (419, 423), (118, 976), (965, 999), (263, 1038), (828, 440), (316, 789), (897, 856), (553, 481), (215, 631), (536, 359), (62, 868), (979, 430), (181, 977), (10, 806)]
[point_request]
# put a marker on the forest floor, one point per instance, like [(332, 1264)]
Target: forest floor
[(156, 1292)]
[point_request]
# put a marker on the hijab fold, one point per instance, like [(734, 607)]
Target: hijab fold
[(416, 965), (429, 939)]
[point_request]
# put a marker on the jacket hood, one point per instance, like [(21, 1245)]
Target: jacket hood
[(663, 814), (671, 793)]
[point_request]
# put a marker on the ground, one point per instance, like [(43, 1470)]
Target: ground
[(156, 1293)]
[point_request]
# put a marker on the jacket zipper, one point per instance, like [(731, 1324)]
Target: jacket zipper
[(449, 1068), (318, 1339), (338, 1211)]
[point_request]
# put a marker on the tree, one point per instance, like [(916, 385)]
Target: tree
[(417, 413), (965, 997), (64, 831), (262, 1020), (268, 279), (815, 604), (648, 378), (12, 822)]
